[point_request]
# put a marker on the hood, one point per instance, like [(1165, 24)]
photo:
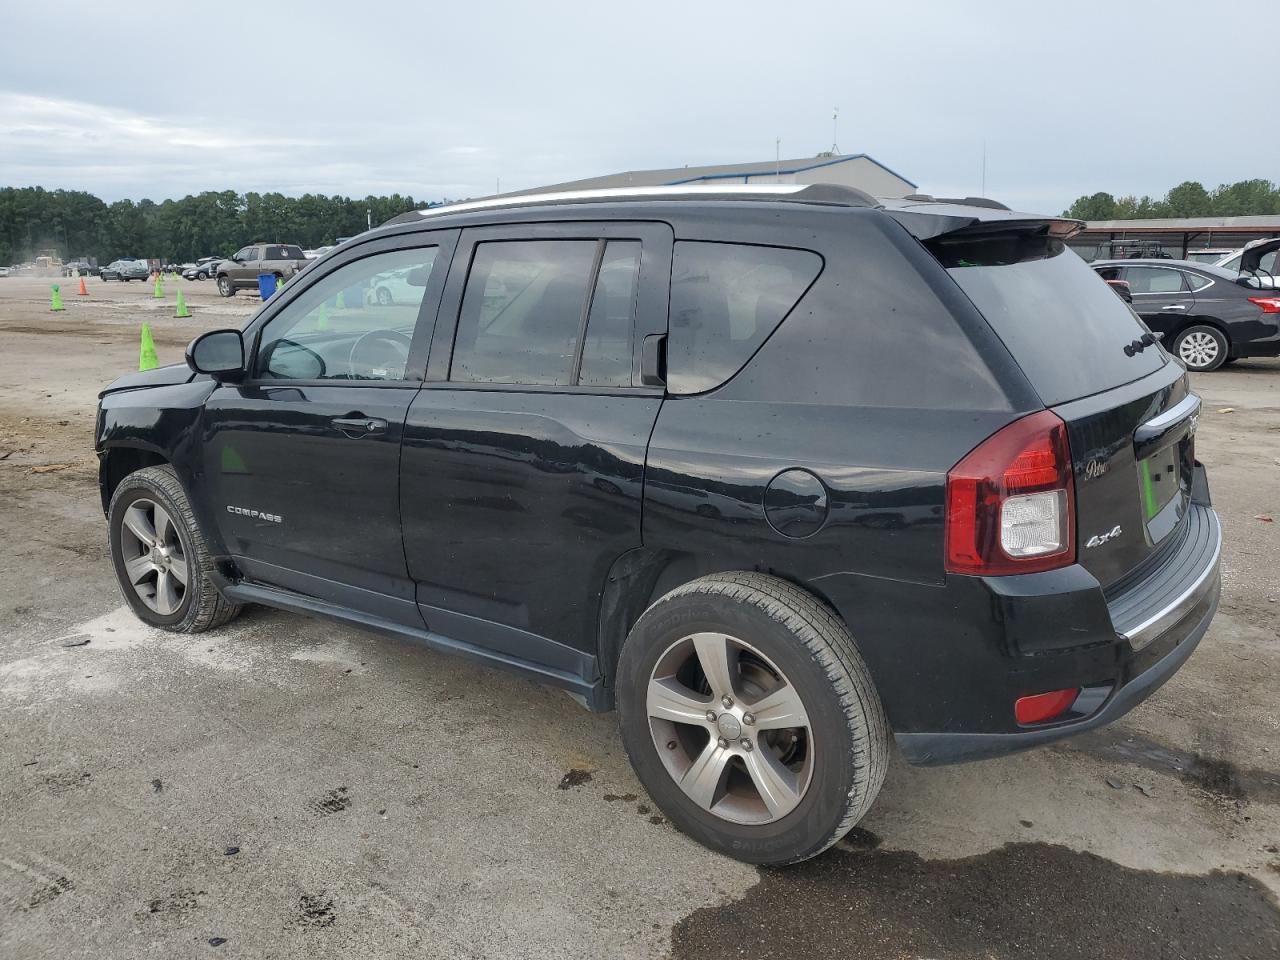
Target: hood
[(166, 376)]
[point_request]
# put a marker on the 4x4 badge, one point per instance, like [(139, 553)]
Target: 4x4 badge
[(1099, 539)]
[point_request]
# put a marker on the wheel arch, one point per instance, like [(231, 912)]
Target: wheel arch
[(117, 462), (1199, 321), (641, 577)]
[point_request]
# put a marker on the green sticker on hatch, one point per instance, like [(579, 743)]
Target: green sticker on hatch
[(1149, 506)]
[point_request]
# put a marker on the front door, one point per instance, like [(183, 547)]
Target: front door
[(302, 459), (1161, 297), (523, 461)]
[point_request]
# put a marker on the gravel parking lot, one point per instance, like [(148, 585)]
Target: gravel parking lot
[(287, 787)]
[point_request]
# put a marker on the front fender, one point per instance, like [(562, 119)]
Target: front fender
[(150, 425)]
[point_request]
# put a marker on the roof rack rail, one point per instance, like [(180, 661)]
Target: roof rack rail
[(826, 193)]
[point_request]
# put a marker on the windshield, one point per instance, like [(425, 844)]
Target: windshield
[(1066, 328)]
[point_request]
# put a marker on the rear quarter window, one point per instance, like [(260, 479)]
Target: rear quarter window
[(726, 299)]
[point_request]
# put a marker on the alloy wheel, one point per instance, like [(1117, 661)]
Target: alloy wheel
[(1198, 349), (730, 729), (154, 561)]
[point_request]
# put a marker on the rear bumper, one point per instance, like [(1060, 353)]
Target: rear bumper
[(1156, 623)]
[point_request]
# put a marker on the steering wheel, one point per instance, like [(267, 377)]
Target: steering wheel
[(399, 346)]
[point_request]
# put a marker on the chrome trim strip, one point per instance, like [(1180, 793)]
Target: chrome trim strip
[(1154, 625), (1187, 407)]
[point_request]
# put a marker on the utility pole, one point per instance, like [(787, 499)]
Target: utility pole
[(835, 132), (777, 160), (368, 216)]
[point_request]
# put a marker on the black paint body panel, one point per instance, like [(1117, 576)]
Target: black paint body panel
[(528, 527)]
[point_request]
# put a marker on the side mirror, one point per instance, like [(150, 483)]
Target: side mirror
[(219, 353), (418, 276)]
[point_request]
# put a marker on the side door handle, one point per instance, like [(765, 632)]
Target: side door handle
[(1174, 306), (357, 427)]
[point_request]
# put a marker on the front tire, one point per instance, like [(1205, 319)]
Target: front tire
[(225, 287), (159, 554), (750, 717), (1201, 348)]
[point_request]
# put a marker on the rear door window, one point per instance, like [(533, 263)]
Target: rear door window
[(607, 350), (1060, 321), (726, 299), (1155, 280), (522, 310)]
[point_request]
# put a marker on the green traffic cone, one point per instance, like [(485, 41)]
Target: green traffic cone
[(322, 317), (147, 359), (280, 285), (342, 303), (55, 299), (182, 311), (158, 293)]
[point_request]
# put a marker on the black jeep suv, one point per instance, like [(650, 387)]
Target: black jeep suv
[(784, 474)]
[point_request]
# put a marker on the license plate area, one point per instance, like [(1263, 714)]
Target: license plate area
[(1164, 487)]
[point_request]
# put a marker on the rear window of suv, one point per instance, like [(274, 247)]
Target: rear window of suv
[(726, 299), (1065, 327)]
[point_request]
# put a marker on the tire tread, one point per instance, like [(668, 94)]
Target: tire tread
[(209, 608), (828, 641)]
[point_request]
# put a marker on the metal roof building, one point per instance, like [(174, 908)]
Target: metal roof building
[(850, 170), (1176, 237)]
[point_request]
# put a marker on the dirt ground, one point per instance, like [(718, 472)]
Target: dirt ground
[(292, 788)]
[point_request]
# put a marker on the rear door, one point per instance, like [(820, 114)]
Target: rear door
[(523, 459), (1161, 297), (1129, 414)]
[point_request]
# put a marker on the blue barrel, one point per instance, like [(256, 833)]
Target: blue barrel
[(266, 285)]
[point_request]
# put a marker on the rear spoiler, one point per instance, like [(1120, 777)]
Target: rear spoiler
[(927, 217)]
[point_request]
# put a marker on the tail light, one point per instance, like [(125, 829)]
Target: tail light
[(1011, 501), (1268, 304)]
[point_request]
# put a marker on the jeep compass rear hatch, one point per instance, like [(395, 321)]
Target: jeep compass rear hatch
[(1129, 418)]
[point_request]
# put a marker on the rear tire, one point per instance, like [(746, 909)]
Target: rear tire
[(1201, 348), (225, 287), (774, 786), (159, 554)]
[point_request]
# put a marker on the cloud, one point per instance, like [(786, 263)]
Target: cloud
[(73, 144)]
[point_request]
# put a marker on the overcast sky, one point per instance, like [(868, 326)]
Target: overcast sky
[(444, 100)]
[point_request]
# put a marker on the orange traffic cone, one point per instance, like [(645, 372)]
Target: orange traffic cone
[(83, 292)]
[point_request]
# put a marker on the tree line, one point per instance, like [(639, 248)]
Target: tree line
[(1248, 198), (79, 224)]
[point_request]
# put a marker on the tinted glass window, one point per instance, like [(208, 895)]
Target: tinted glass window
[(284, 252), (1196, 282), (726, 299), (1061, 322), (245, 253), (607, 351), (355, 323), (1154, 280), (522, 310)]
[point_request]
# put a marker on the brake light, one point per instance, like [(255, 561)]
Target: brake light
[(1011, 501), (1268, 304)]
